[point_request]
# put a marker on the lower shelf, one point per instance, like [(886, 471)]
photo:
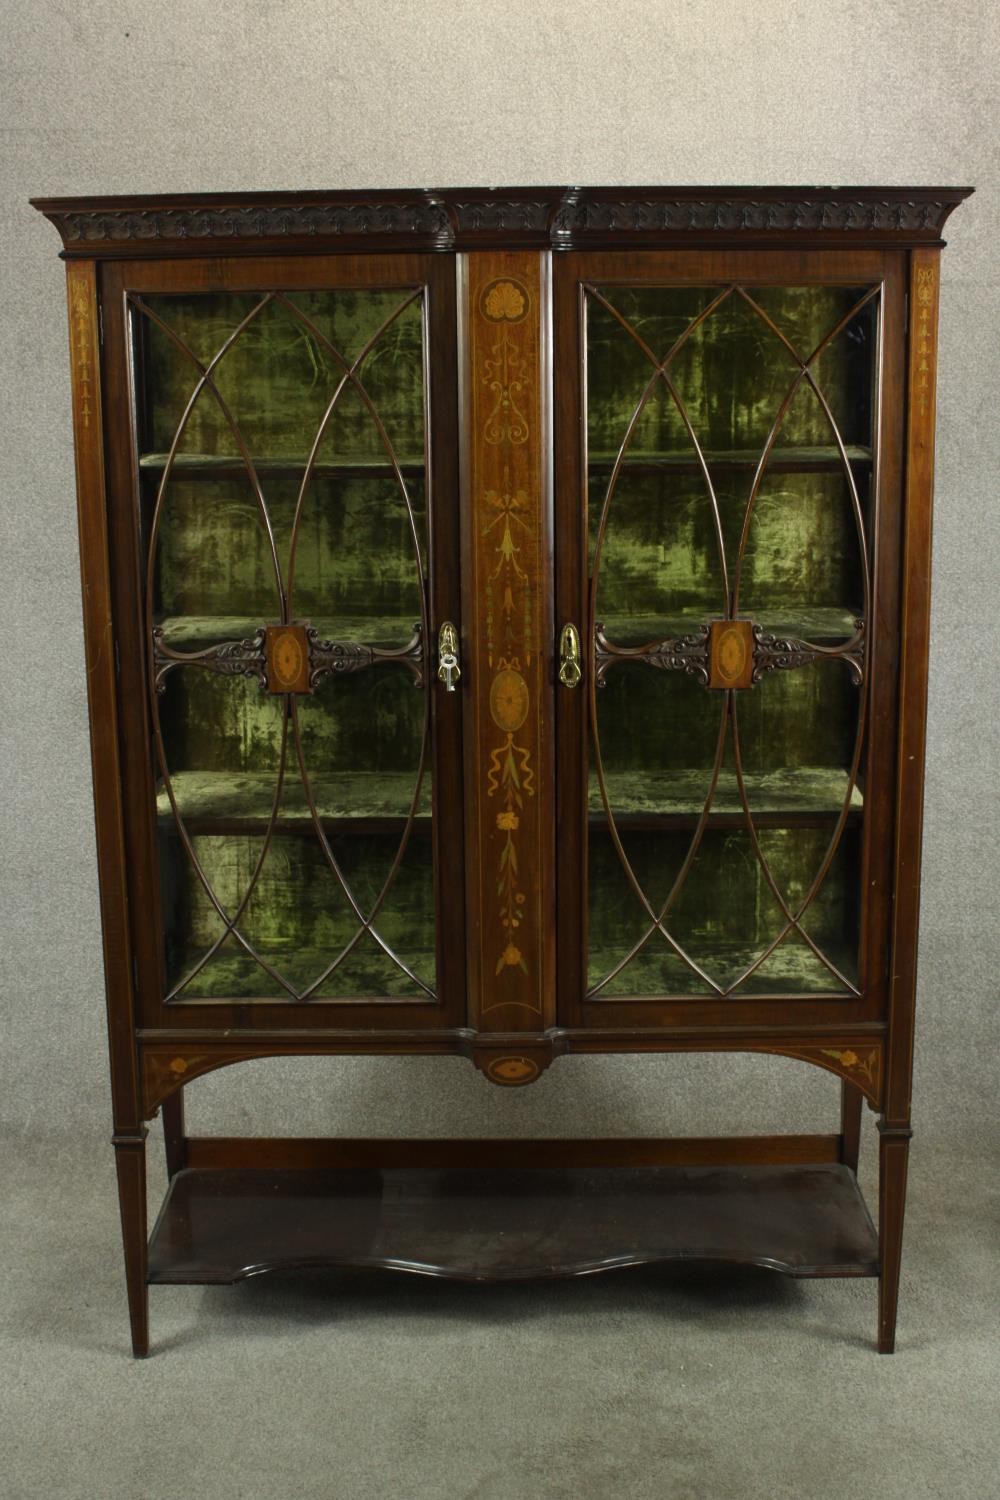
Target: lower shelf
[(223, 1225)]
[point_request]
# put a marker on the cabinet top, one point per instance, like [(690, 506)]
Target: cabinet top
[(468, 218)]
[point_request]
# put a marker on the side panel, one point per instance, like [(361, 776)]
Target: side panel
[(916, 583), (101, 688)]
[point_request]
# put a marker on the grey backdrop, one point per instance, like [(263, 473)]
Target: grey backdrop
[(641, 1385), (139, 97)]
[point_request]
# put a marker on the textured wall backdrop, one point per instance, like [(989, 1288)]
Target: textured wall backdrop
[(217, 94)]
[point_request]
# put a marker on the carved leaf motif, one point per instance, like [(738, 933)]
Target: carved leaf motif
[(685, 653), (562, 216)]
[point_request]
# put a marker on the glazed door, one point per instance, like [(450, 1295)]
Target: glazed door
[(724, 480), (291, 504)]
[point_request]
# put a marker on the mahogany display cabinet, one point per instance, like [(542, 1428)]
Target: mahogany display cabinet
[(506, 628)]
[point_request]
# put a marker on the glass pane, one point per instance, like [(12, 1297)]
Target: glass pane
[(730, 469), (282, 463)]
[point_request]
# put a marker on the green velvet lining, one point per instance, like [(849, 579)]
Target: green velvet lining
[(725, 911), (654, 721), (371, 721), (660, 552), (367, 974), (298, 916), (278, 378), (355, 555), (793, 969), (732, 373)]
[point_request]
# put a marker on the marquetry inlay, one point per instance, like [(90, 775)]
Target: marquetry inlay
[(288, 667), (506, 471), (512, 1070), (730, 647), (924, 321)]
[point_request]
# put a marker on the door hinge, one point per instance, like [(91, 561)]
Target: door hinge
[(100, 324), (118, 661)]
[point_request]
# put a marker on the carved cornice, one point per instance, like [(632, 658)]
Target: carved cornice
[(518, 215), (456, 218), (727, 215), (422, 217)]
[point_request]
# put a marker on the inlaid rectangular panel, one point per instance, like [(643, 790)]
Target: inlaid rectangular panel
[(730, 654), (287, 648), (509, 810)]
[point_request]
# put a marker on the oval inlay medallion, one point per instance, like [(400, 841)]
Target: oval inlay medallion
[(512, 1070), (286, 658), (732, 654), (509, 700)]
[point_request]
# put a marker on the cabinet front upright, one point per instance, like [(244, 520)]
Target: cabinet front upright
[(507, 621)]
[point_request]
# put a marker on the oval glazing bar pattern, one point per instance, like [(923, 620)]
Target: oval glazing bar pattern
[(282, 479), (729, 427)]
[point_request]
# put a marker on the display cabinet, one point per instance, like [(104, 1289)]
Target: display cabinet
[(506, 620)]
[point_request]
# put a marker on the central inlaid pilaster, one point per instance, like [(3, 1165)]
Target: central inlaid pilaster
[(507, 502)]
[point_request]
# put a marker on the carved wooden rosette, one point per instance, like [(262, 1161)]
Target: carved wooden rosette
[(505, 415)]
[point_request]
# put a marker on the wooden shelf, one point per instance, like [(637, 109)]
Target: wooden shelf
[(824, 625), (782, 460), (231, 465), (223, 1225), (195, 632), (231, 802), (788, 796), (227, 802)]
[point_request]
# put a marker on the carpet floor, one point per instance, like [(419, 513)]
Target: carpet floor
[(643, 1384)]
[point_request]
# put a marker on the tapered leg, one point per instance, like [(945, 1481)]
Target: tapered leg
[(174, 1139), (894, 1152), (130, 1160), (851, 1102)]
